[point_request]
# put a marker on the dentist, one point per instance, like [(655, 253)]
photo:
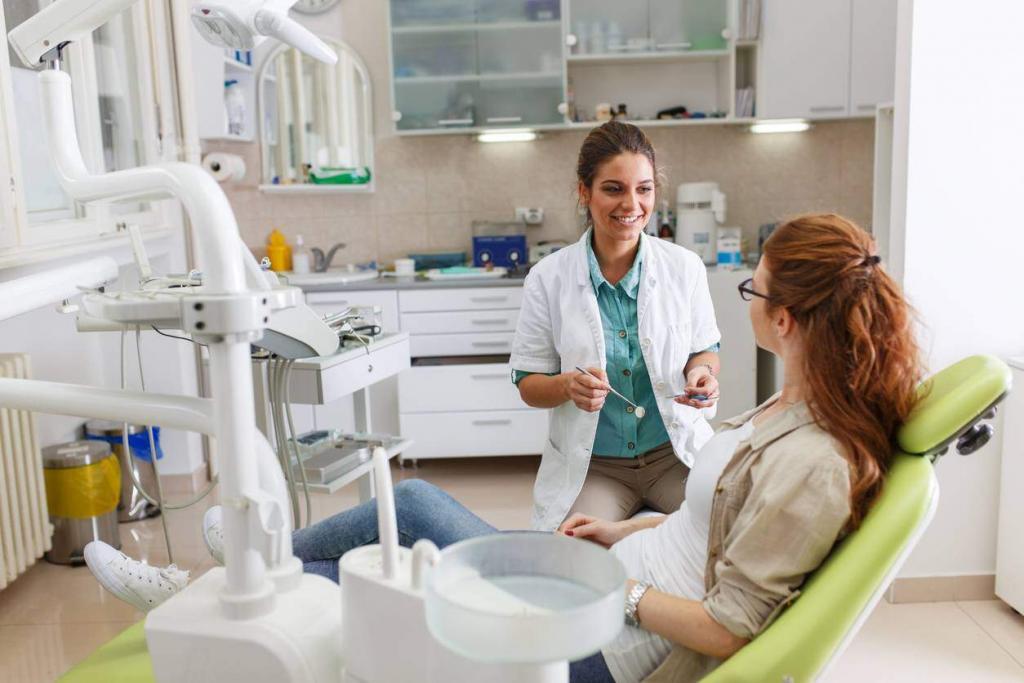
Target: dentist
[(635, 311)]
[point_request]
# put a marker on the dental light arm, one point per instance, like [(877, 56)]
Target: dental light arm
[(229, 23)]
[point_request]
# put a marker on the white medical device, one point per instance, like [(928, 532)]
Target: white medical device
[(260, 618), (700, 209)]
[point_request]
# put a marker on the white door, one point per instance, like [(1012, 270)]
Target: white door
[(805, 59), (872, 55)]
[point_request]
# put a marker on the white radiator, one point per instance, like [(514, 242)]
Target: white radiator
[(25, 529)]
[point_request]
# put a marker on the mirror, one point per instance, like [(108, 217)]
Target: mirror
[(316, 122)]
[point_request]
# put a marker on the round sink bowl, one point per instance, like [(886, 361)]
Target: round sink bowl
[(332, 276), (525, 597)]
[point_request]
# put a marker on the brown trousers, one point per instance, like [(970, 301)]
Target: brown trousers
[(616, 488)]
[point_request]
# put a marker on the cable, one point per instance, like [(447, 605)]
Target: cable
[(282, 448), (295, 444), (175, 336), (152, 448)]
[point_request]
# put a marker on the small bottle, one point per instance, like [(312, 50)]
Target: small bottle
[(279, 253), (621, 114), (667, 230), (234, 106), (301, 261)]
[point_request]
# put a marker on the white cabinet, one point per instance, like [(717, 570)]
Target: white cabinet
[(738, 376), (872, 55), (1009, 549), (805, 59)]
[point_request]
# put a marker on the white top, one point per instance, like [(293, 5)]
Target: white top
[(672, 556), (559, 328)]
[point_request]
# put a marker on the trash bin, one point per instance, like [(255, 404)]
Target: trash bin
[(132, 506), (83, 481)]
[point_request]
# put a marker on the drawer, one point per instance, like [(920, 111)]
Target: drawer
[(442, 388), (331, 302), (466, 434), (460, 321), (468, 299), (465, 344)]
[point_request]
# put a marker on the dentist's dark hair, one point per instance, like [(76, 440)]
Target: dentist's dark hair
[(861, 360), (606, 142)]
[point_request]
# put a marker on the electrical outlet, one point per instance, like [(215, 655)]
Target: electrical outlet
[(530, 215)]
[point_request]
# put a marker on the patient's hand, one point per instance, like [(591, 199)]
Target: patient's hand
[(599, 531)]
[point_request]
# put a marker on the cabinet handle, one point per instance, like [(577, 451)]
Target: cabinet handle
[(833, 108), (673, 46), (488, 299), (491, 423), (571, 39), (866, 106), (490, 344), (502, 375), (493, 321), (504, 119), (455, 122)]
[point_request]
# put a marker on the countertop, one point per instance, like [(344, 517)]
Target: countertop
[(391, 283)]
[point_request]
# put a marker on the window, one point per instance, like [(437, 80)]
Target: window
[(115, 116)]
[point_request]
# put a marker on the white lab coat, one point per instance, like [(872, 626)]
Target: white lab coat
[(560, 328)]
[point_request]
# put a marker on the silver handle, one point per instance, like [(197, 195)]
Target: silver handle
[(455, 122), (490, 344), (833, 108), (494, 321), (491, 376), (491, 423), (673, 46), (488, 299), (504, 119)]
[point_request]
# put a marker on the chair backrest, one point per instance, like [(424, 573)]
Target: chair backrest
[(837, 599)]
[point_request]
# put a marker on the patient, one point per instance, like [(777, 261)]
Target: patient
[(768, 496)]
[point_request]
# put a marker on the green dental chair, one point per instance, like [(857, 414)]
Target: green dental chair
[(810, 635)]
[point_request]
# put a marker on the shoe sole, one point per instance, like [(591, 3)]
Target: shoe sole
[(112, 583), (217, 556)]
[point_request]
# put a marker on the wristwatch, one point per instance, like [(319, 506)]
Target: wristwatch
[(636, 593)]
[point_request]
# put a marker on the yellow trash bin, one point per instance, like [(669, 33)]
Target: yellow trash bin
[(83, 485)]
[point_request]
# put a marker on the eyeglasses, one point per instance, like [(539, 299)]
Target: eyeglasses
[(747, 291)]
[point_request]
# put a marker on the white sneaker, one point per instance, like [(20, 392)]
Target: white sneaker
[(213, 532), (135, 582)]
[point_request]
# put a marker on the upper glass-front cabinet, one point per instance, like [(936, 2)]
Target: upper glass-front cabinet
[(613, 27), (476, 63)]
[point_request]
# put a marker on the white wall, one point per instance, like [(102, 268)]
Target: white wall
[(59, 353), (957, 196)]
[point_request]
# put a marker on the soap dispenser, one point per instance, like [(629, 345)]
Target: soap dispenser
[(279, 253), (301, 258)]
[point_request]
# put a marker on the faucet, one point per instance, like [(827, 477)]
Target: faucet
[(322, 262)]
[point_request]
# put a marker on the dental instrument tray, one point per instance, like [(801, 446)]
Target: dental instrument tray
[(328, 461), (519, 597)]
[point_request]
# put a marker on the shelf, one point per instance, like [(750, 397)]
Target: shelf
[(493, 26), (231, 138), (360, 470), (470, 78), (747, 43), (648, 57), (582, 125), (310, 188), (232, 64)]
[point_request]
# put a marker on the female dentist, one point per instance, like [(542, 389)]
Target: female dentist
[(636, 313)]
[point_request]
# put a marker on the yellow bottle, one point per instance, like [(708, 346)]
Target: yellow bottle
[(279, 253)]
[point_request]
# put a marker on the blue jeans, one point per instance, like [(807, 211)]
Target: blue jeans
[(422, 511)]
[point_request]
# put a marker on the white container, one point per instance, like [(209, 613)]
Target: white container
[(405, 267), (700, 209), (730, 247), (234, 105), (301, 261)]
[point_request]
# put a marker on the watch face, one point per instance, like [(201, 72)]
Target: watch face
[(314, 6)]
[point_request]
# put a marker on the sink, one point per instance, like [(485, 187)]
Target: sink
[(341, 275)]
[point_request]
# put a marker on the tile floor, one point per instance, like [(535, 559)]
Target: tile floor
[(53, 616)]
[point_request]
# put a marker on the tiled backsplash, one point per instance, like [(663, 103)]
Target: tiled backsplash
[(430, 189)]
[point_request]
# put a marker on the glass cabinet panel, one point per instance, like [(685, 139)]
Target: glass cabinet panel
[(478, 63), (609, 27)]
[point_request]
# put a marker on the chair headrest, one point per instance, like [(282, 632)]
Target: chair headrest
[(951, 402)]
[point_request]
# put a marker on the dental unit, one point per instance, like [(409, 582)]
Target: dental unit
[(494, 609)]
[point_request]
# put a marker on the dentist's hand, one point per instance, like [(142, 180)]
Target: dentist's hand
[(700, 382), (588, 393), (599, 531)]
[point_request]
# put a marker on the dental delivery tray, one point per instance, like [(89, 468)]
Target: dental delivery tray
[(347, 452)]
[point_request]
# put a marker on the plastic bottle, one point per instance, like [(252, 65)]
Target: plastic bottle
[(279, 253), (234, 105), (301, 261)]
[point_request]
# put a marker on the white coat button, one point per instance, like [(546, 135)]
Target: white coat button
[(675, 425), (645, 343), (660, 386)]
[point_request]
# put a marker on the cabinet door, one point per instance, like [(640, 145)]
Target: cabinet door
[(805, 59), (872, 55), (677, 25)]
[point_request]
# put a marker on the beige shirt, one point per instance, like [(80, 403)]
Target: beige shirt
[(781, 503)]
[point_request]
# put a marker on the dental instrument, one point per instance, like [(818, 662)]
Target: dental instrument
[(639, 411)]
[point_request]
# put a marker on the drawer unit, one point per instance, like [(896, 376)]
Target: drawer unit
[(460, 321), (469, 299), (481, 344), (332, 302), (465, 434), (441, 388)]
